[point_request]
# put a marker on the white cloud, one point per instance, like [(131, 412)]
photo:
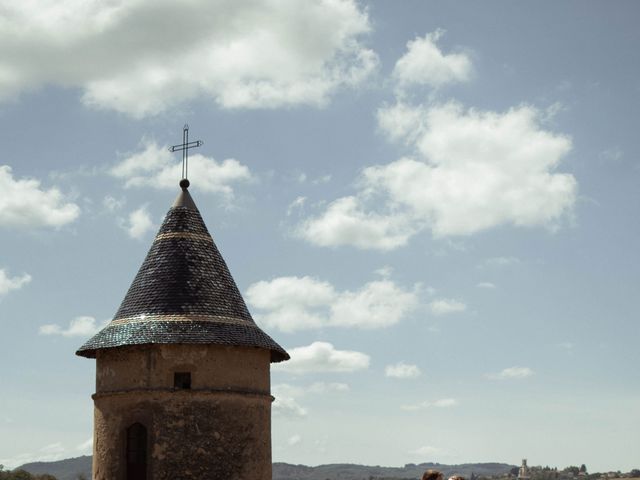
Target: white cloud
[(297, 204), (239, 54), (78, 327), (86, 446), (377, 304), (486, 285), (111, 204), (287, 397), (316, 388), (402, 370), (24, 204), (8, 283), (445, 306), (323, 357), (291, 303), (511, 373), (426, 451), (474, 170), (299, 303), (402, 122), (288, 407), (480, 170), (445, 403), (294, 440), (53, 448), (425, 64), (139, 223), (321, 180), (384, 272), (156, 167), (48, 453), (552, 111), (332, 387), (346, 223), (441, 403)]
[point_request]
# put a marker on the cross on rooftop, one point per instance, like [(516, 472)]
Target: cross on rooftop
[(184, 147)]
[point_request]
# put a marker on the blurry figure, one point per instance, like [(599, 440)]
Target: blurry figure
[(432, 475), (456, 477)]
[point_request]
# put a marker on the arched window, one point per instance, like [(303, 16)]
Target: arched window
[(137, 452)]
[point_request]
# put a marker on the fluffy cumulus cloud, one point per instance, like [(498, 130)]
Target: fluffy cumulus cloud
[(25, 204), (78, 327), (445, 306), (402, 370), (441, 403), (470, 171), (263, 54), (346, 222), (478, 169), (511, 373), (8, 283), (288, 397), (323, 357), (139, 223), (287, 406), (425, 64), (156, 167), (299, 303)]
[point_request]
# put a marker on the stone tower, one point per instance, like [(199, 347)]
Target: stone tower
[(182, 370), (523, 472)]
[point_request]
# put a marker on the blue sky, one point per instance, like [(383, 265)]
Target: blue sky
[(432, 205)]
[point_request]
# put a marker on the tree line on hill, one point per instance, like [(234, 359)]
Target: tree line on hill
[(21, 474), (572, 473), (79, 468)]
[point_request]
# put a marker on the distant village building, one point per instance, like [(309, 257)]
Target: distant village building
[(523, 473), (182, 370)]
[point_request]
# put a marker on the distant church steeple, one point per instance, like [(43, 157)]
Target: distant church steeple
[(523, 473), (182, 373)]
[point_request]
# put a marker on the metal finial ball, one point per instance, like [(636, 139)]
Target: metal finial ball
[(184, 183)]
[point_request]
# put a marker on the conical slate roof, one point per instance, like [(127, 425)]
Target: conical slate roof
[(183, 293)]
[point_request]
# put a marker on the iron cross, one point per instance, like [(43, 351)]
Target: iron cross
[(184, 147)]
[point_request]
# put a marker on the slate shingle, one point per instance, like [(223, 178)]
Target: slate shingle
[(183, 293)]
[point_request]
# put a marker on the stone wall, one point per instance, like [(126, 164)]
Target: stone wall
[(153, 366), (218, 429)]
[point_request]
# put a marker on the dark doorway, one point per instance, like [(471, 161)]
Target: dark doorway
[(137, 452)]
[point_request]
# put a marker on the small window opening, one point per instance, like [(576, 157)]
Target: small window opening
[(182, 380)]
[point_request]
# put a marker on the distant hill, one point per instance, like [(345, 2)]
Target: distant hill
[(347, 471), (69, 469), (62, 469)]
